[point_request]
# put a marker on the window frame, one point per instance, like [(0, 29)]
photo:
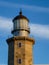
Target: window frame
[(19, 44), (19, 61)]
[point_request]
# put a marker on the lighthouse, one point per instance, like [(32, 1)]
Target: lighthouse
[(20, 45)]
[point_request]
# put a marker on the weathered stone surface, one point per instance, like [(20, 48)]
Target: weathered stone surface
[(24, 52)]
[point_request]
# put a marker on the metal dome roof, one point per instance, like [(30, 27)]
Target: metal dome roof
[(20, 16)]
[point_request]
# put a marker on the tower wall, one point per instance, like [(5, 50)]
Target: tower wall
[(24, 52), (11, 53)]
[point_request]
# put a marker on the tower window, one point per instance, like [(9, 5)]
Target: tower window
[(19, 44), (19, 61)]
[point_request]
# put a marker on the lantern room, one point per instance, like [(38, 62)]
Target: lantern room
[(20, 25)]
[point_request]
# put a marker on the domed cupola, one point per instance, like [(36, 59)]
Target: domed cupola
[(20, 16), (20, 25)]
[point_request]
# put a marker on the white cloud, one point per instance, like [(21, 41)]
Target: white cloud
[(38, 30), (5, 27), (27, 7), (5, 23)]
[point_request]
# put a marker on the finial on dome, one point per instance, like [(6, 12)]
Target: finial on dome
[(20, 12)]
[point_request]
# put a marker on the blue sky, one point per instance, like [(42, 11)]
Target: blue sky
[(37, 11)]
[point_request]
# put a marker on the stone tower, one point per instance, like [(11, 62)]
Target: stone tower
[(20, 45)]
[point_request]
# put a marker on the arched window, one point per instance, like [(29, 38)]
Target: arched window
[(19, 61), (19, 44)]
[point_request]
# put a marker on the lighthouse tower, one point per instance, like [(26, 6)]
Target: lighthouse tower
[(20, 45)]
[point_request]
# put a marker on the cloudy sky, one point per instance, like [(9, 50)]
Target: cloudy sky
[(37, 11)]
